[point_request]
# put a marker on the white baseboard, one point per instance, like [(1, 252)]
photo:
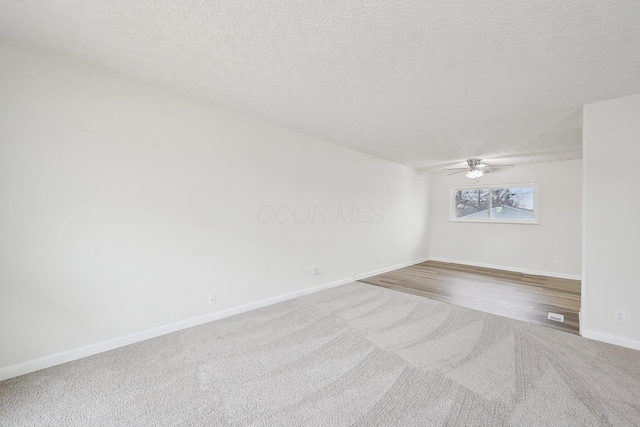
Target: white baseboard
[(515, 269), (611, 339), (387, 269), (89, 350)]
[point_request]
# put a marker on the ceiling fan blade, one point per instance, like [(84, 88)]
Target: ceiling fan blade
[(453, 173), (455, 169), (498, 166)]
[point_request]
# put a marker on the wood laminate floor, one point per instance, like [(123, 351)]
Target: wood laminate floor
[(518, 296)]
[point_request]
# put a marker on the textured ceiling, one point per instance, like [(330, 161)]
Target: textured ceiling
[(423, 83)]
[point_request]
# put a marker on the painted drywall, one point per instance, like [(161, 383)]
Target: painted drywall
[(124, 205), (518, 247), (612, 233)]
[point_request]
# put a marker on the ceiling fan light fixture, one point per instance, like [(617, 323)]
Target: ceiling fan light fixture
[(474, 173), (475, 168)]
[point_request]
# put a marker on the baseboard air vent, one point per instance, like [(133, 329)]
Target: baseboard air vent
[(555, 317)]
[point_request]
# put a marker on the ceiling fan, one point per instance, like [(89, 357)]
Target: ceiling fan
[(475, 168)]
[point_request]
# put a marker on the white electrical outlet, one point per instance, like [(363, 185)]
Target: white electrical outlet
[(353, 276), (212, 299), (556, 263), (314, 273), (619, 316), (379, 261)]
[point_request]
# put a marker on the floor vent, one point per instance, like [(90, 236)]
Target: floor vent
[(556, 317)]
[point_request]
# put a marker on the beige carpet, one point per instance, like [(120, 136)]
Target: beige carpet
[(353, 355)]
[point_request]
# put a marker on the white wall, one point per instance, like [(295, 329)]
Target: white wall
[(519, 247), (123, 205), (612, 232)]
